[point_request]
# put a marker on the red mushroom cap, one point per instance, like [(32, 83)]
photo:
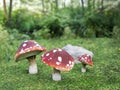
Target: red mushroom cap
[(58, 59), (86, 59), (28, 48)]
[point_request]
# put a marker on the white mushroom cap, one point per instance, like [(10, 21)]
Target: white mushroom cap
[(28, 48), (58, 59)]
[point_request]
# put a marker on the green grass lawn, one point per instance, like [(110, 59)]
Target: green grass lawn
[(104, 75)]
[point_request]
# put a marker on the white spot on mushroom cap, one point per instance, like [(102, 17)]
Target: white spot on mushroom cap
[(22, 51), (24, 44), (27, 49), (88, 55), (59, 59), (47, 54), (37, 45), (82, 58), (50, 58), (31, 47), (85, 57), (67, 65), (59, 49), (70, 62), (54, 51), (58, 63)]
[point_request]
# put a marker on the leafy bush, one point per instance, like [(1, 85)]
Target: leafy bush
[(26, 21), (68, 33), (114, 12), (89, 33), (54, 24), (4, 36), (89, 23), (4, 47), (116, 33), (1, 17), (93, 23), (77, 22), (41, 34), (15, 35), (101, 24)]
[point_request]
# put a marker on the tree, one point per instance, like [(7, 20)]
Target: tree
[(102, 5), (43, 6), (56, 2), (82, 2), (9, 14), (5, 9), (72, 3)]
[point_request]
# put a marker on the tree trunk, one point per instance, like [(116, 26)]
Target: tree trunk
[(82, 2), (56, 2), (72, 3), (102, 6), (5, 9), (43, 6), (9, 14), (51, 5), (89, 5), (93, 4), (63, 3)]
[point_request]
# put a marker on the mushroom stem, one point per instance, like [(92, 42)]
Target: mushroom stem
[(32, 65), (56, 76), (83, 69)]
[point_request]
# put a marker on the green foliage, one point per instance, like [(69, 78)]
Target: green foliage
[(41, 34), (15, 35), (116, 33), (4, 47), (25, 21), (68, 33), (92, 22), (54, 24), (77, 21), (4, 36), (89, 33), (101, 24), (2, 16), (114, 13)]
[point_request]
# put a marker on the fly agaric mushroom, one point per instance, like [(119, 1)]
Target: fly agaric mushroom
[(60, 60), (86, 60), (28, 50), (77, 53)]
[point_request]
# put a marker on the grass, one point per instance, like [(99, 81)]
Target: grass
[(104, 75)]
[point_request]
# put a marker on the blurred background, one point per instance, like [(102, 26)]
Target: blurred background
[(36, 19)]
